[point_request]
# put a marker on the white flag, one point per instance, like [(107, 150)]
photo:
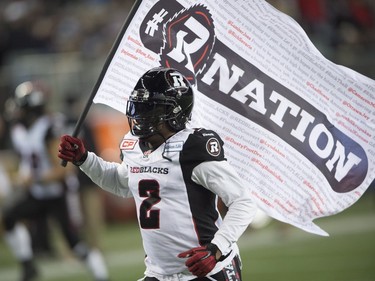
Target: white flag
[(298, 129)]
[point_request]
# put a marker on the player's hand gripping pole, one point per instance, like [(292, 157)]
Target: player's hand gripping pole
[(73, 150)]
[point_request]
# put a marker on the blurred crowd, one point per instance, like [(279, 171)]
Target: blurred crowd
[(87, 26), (55, 28)]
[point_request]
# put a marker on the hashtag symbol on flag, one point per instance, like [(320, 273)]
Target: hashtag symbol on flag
[(153, 25)]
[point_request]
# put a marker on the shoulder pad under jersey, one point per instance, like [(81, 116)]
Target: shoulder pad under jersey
[(204, 145)]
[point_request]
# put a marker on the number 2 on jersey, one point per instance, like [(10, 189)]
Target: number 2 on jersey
[(149, 219)]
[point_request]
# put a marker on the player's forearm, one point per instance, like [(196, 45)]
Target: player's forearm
[(221, 178), (238, 217), (110, 176)]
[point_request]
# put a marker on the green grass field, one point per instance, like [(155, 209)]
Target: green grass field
[(276, 252)]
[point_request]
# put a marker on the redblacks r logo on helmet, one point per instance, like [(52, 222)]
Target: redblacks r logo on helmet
[(213, 147), (128, 144), (178, 80)]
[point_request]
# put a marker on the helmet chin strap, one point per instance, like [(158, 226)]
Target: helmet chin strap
[(164, 134)]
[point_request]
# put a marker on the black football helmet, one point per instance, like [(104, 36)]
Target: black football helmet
[(161, 95), (30, 95), (29, 101)]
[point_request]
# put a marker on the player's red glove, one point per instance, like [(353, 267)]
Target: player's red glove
[(72, 149), (201, 260)]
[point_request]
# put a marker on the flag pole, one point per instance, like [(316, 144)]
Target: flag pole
[(107, 62)]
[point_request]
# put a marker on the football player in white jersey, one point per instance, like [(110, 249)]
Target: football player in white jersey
[(49, 188), (175, 175)]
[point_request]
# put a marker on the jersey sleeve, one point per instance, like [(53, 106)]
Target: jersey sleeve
[(220, 178), (110, 176)]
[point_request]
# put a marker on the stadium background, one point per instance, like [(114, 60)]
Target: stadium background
[(65, 42)]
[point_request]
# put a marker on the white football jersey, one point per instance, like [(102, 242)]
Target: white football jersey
[(30, 144), (176, 188)]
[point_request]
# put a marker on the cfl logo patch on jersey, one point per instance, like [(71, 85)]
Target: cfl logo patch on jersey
[(213, 147), (128, 144)]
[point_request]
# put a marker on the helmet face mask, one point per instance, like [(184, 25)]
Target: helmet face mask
[(144, 117), (162, 95)]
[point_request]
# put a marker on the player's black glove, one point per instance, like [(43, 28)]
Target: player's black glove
[(72, 149), (201, 260)]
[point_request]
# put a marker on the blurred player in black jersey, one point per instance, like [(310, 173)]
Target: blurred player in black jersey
[(49, 189), (175, 175)]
